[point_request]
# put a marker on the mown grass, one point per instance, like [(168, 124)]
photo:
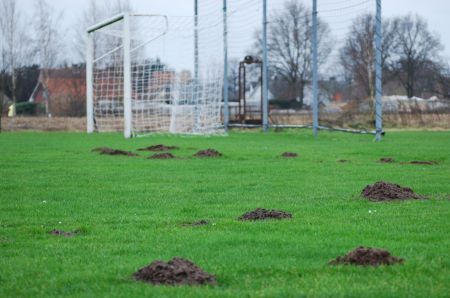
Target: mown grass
[(130, 211)]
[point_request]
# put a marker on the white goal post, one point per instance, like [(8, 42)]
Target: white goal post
[(138, 80)]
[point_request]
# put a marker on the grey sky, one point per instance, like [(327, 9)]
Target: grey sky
[(436, 12)]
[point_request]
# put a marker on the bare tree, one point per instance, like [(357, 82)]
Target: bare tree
[(15, 42), (444, 81), (95, 12), (290, 45), (3, 68), (233, 79), (357, 56), (415, 48), (48, 41)]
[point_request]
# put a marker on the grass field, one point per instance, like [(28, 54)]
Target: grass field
[(130, 210)]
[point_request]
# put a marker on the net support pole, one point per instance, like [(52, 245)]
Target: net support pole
[(196, 41), (226, 115), (265, 80), (127, 112), (90, 83), (378, 74), (196, 69), (315, 71)]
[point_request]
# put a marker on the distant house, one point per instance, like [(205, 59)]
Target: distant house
[(62, 90), (5, 103), (253, 95)]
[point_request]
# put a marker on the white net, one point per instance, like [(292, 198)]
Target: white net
[(108, 79), (173, 87)]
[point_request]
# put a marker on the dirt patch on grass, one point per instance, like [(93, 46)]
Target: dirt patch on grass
[(289, 154), (166, 155), (196, 223), (343, 160), (159, 147), (177, 271), (63, 233), (367, 256), (386, 160), (110, 151), (385, 191), (208, 153), (423, 162), (262, 214)]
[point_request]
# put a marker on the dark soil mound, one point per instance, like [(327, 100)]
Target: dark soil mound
[(261, 214), (289, 154), (196, 223), (177, 271), (367, 256), (159, 147), (385, 191), (343, 160), (208, 153), (423, 162), (110, 151), (63, 233), (386, 160), (162, 156)]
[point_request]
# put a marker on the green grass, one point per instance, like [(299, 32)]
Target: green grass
[(131, 210)]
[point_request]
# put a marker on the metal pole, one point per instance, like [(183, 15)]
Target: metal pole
[(196, 69), (196, 41), (315, 73), (226, 115), (265, 85), (90, 83), (106, 22), (127, 113), (378, 74)]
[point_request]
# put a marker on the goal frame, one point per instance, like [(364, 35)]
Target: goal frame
[(127, 89)]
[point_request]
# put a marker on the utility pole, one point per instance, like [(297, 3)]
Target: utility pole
[(315, 71), (378, 74), (265, 81), (226, 115)]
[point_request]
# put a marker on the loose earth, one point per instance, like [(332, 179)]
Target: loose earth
[(177, 271)]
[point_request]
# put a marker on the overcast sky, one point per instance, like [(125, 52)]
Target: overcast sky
[(436, 12)]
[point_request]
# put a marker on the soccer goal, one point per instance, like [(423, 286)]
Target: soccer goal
[(144, 75)]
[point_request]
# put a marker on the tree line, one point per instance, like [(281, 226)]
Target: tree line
[(411, 54)]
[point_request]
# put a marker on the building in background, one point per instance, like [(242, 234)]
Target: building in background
[(62, 91)]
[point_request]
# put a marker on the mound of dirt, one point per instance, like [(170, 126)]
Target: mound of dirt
[(385, 191), (289, 154), (110, 151), (177, 271), (63, 233), (423, 162), (367, 256), (208, 153), (162, 156), (196, 223), (386, 160), (261, 214), (159, 147)]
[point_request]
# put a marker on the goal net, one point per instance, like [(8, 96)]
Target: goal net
[(318, 65), (155, 73)]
